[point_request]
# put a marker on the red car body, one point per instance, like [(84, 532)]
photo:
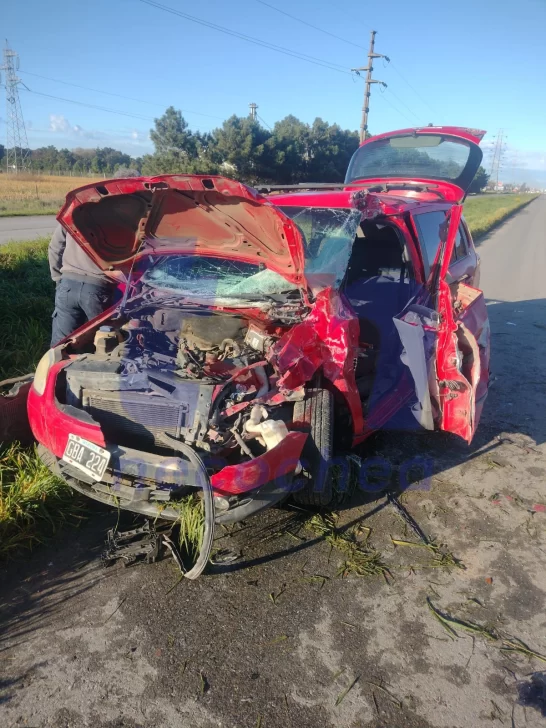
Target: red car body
[(377, 335)]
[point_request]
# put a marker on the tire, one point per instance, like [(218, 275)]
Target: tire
[(315, 415)]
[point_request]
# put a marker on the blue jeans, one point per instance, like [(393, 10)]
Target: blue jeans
[(77, 302)]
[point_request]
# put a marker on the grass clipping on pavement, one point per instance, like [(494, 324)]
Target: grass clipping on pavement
[(33, 502)]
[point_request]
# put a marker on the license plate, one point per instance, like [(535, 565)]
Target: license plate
[(86, 456)]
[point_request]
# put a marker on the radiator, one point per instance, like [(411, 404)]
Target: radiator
[(126, 417)]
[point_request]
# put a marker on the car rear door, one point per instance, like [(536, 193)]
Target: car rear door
[(446, 343), (462, 353)]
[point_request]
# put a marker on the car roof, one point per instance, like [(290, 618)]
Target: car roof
[(394, 203)]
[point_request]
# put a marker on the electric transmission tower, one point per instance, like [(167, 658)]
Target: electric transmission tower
[(253, 111), (368, 87), (496, 161), (17, 152)]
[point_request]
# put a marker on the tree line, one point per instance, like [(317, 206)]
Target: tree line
[(291, 152), (78, 162)]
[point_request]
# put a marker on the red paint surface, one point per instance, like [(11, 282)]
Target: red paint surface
[(115, 219), (327, 338), (51, 427), (244, 477)]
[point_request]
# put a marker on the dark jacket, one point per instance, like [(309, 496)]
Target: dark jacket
[(68, 260)]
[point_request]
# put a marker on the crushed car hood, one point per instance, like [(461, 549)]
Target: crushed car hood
[(115, 221)]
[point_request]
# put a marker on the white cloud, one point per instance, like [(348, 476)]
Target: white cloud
[(58, 123)]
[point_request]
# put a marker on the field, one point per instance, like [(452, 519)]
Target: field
[(26, 194)]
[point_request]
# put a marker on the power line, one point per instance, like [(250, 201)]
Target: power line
[(264, 122), (404, 104), (248, 38), (91, 106), (310, 25), (344, 40), (119, 96), (411, 86), (390, 103)]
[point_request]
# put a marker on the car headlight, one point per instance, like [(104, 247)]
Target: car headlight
[(42, 370)]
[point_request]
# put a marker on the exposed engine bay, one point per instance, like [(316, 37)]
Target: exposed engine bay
[(184, 374)]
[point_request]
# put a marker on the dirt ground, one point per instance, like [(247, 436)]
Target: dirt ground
[(277, 638)]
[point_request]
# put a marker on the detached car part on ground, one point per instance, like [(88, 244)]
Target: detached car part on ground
[(253, 332)]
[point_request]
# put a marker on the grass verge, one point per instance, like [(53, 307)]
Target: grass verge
[(26, 301), (484, 212), (34, 504)]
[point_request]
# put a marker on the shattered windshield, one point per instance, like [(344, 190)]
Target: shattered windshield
[(215, 278), (328, 234)]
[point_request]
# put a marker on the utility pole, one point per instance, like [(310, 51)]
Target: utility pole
[(496, 161), (253, 111), (369, 81), (17, 143)]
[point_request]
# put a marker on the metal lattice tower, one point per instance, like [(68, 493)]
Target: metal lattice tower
[(496, 160), (17, 152)]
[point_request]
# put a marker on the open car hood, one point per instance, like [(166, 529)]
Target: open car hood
[(115, 221), (443, 158)]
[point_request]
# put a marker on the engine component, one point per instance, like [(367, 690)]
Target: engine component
[(105, 341), (264, 382), (268, 432), (209, 331), (257, 339)]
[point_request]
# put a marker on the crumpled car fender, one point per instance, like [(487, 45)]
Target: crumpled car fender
[(327, 338)]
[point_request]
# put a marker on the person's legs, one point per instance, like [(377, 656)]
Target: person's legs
[(96, 298), (68, 315)]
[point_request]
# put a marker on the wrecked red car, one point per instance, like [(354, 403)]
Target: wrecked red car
[(256, 334)]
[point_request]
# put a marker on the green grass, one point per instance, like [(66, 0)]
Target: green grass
[(29, 207), (484, 212), (26, 301), (33, 503)]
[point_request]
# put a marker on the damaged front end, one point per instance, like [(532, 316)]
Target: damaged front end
[(160, 381)]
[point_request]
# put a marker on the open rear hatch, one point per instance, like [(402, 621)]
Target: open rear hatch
[(438, 159)]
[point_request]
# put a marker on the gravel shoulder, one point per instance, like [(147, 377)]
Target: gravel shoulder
[(277, 638)]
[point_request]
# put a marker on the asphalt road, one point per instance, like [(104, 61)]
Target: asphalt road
[(26, 227), (278, 639), (514, 256)]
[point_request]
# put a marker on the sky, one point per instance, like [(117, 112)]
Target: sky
[(476, 63)]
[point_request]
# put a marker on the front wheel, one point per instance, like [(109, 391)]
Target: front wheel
[(315, 415)]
